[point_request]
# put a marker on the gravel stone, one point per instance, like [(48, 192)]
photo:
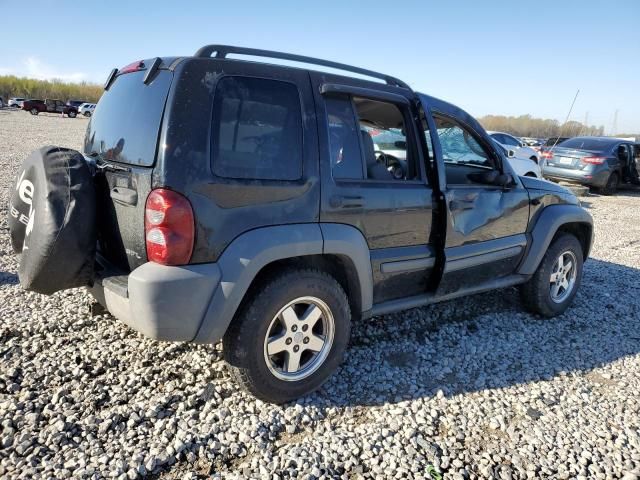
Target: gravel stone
[(473, 388)]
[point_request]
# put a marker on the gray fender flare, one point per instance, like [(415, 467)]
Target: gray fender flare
[(348, 241), (547, 224), (250, 252)]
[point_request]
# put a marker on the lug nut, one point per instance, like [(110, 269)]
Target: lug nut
[(306, 340), (305, 327), (296, 348), (294, 328), (288, 341)]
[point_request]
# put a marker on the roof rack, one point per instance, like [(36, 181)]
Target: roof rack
[(222, 51)]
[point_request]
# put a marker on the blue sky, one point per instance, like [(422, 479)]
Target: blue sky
[(501, 57)]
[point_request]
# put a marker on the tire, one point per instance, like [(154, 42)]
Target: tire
[(34, 111), (87, 114), (611, 187), (530, 174), (263, 316), (538, 293), (52, 220), (72, 114)]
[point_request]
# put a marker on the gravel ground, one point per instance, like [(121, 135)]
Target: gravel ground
[(472, 388)]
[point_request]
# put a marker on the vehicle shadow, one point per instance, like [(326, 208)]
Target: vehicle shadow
[(487, 342)]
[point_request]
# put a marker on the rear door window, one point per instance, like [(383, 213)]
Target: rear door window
[(257, 129), (126, 122)]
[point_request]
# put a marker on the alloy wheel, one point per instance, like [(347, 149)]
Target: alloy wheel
[(563, 276), (299, 339)]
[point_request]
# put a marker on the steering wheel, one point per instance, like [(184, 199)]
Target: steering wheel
[(392, 164)]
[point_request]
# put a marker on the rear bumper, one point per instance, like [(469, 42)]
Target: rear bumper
[(596, 178), (161, 302)]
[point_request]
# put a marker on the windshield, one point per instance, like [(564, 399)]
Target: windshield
[(587, 143)]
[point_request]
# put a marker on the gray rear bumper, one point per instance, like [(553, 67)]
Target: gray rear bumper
[(597, 178), (161, 302)]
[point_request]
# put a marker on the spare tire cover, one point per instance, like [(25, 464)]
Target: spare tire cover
[(52, 220)]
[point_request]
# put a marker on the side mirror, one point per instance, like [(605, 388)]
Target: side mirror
[(492, 177), (511, 153), (504, 180)]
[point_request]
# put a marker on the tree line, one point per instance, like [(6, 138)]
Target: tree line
[(521, 126), (528, 126), (12, 86)]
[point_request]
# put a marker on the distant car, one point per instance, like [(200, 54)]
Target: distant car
[(86, 109), (524, 167), (1, 102), (75, 103), (16, 102), (520, 149), (548, 145), (600, 162), (51, 106)]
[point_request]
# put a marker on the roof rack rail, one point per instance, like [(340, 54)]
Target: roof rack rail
[(222, 51)]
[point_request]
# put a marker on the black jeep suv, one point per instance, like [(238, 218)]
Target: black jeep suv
[(270, 206)]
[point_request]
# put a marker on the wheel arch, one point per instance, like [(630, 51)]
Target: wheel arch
[(552, 221), (256, 255)]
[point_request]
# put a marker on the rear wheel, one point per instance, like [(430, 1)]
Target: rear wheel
[(34, 111), (290, 337), (554, 285), (72, 114), (611, 186)]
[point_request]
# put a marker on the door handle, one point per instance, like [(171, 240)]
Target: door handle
[(455, 205), (339, 201), (124, 195)]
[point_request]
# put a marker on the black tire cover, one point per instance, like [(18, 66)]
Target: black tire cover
[(52, 220)]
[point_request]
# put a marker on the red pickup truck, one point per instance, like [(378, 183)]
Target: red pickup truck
[(51, 106)]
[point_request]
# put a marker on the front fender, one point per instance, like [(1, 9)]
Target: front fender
[(548, 222)]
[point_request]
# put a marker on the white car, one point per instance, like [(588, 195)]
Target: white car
[(16, 102), (86, 109), (520, 149), (524, 167)]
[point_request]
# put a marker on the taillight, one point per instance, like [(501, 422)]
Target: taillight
[(547, 155), (594, 160), (169, 227), (132, 67)]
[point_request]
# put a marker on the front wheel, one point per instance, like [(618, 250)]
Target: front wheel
[(290, 337), (71, 114), (554, 285), (34, 111)]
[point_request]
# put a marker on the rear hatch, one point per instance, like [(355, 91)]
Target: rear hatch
[(122, 136)]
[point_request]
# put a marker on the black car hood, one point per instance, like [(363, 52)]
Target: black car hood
[(531, 183)]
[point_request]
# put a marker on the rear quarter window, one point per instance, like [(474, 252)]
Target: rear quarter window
[(257, 129), (126, 122)]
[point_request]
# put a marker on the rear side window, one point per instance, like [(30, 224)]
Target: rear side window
[(257, 129), (126, 122)]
